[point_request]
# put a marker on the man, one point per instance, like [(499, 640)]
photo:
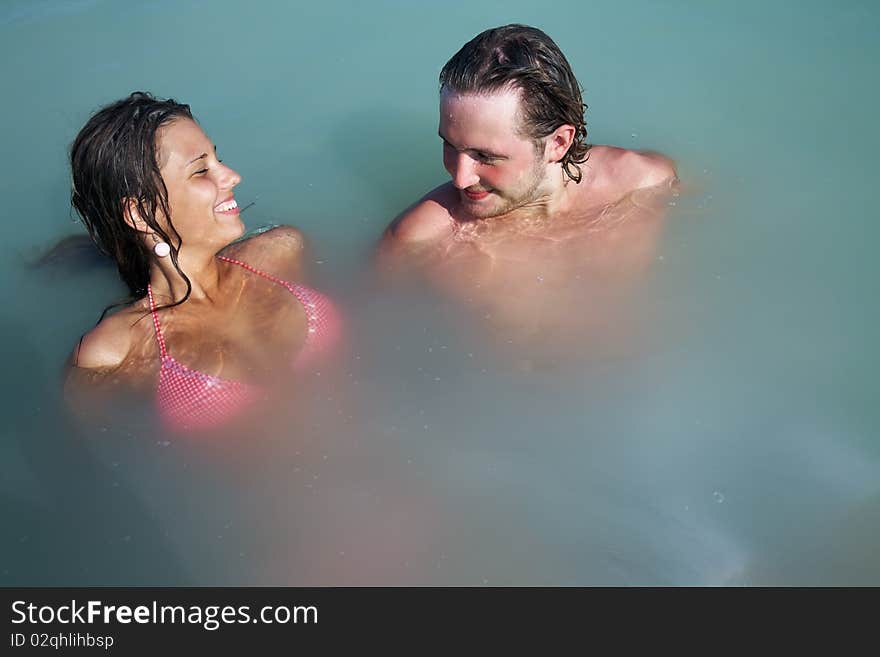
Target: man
[(529, 202)]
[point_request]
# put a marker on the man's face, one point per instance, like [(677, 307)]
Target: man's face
[(494, 168)]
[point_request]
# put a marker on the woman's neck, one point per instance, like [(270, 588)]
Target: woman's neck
[(202, 270)]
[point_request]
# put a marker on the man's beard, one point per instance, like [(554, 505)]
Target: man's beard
[(503, 205)]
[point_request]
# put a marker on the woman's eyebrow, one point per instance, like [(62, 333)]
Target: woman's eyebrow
[(200, 156)]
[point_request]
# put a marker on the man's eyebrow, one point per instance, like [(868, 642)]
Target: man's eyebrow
[(478, 150)]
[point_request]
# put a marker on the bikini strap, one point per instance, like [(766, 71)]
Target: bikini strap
[(294, 289), (159, 337), (256, 271)]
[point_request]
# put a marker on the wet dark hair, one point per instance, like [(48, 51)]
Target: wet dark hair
[(522, 57), (114, 162)]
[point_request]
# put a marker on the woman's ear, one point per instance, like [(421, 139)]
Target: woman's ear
[(132, 217)]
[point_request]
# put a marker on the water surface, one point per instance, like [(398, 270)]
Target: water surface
[(736, 445)]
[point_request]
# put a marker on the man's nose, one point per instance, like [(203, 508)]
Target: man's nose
[(464, 172)]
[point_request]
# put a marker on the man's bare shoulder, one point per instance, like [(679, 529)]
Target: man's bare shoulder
[(632, 169), (428, 220)]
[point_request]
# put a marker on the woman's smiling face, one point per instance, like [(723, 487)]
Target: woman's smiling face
[(203, 208)]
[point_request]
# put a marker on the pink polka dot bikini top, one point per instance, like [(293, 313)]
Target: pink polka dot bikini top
[(187, 399)]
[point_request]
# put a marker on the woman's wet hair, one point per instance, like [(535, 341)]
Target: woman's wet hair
[(115, 166), (524, 58)]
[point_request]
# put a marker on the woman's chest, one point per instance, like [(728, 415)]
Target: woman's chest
[(255, 339)]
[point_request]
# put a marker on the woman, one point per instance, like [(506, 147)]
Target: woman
[(213, 323)]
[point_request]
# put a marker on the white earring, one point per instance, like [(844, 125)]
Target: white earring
[(162, 249)]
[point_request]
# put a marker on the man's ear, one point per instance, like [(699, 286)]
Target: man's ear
[(559, 141)]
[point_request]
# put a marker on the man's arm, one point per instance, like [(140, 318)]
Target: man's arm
[(624, 170), (649, 168), (657, 169), (420, 226)]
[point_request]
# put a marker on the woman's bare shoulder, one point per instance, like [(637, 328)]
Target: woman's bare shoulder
[(108, 345), (102, 366), (278, 251)]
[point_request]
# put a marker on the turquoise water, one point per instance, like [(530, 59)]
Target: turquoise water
[(741, 447)]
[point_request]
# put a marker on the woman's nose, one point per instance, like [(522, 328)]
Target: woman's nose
[(229, 177)]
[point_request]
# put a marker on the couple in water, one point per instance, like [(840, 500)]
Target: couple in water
[(215, 322)]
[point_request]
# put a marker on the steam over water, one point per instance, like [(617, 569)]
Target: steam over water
[(729, 437)]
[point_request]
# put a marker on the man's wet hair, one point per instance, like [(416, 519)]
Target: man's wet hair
[(524, 58)]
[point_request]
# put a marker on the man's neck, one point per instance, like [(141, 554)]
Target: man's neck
[(555, 196)]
